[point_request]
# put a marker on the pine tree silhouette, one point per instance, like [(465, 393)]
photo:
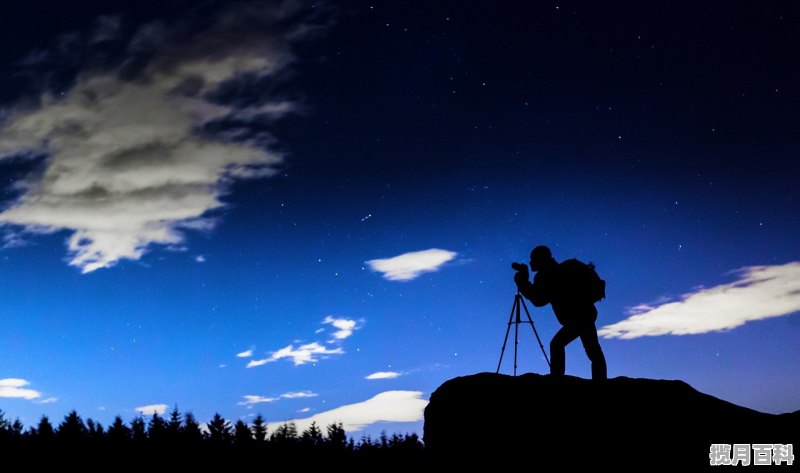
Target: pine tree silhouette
[(89, 440), (337, 438), (219, 430), (72, 430), (259, 429), (156, 429), (312, 436), (138, 430), (44, 432), (191, 432), (242, 435), (174, 425), (118, 432)]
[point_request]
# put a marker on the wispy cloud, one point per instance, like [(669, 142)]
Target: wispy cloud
[(408, 266), (245, 354), (314, 351), (760, 292), (135, 153), (299, 395), (345, 326), (255, 363), (151, 409), (389, 406), (384, 375), (250, 399), (15, 388), (308, 353), (48, 400)]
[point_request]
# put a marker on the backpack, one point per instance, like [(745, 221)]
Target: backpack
[(583, 280)]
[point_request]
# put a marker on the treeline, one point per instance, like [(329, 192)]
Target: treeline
[(179, 432)]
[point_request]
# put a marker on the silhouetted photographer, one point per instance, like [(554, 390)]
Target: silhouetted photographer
[(571, 288)]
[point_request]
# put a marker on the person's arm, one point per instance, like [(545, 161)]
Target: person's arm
[(536, 292)]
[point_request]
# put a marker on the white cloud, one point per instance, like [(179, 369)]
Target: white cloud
[(127, 163), (151, 409), (15, 388), (254, 363), (408, 266), (389, 406), (200, 259), (305, 409), (251, 399), (48, 400), (314, 351), (299, 395), (384, 375), (245, 354), (345, 326), (308, 353), (760, 292)]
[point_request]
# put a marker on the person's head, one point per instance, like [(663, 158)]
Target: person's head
[(541, 257)]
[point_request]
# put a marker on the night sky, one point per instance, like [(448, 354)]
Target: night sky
[(309, 210)]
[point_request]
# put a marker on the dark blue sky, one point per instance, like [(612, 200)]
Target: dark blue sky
[(185, 182)]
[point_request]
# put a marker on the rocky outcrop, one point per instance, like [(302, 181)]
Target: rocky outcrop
[(540, 420)]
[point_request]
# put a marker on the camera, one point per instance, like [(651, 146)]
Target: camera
[(519, 266)]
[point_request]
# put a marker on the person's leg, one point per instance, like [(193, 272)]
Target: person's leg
[(591, 344), (557, 345)]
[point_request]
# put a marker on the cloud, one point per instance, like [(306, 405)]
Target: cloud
[(48, 400), (384, 375), (760, 292), (250, 400), (245, 354), (299, 395), (151, 409), (314, 351), (136, 153), (254, 363), (308, 353), (408, 266), (345, 326), (389, 406), (15, 388)]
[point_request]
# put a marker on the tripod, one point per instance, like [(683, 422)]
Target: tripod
[(516, 321)]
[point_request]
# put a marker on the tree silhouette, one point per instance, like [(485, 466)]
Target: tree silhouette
[(95, 431), (242, 435), (174, 425), (285, 434), (337, 438), (312, 436), (138, 430), (44, 432), (181, 433), (259, 429), (72, 429), (118, 432), (191, 432), (219, 430), (156, 429)]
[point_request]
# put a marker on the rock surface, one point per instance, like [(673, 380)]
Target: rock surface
[(543, 421)]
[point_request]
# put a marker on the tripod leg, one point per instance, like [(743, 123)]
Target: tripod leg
[(516, 333), (536, 333), (505, 340)]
